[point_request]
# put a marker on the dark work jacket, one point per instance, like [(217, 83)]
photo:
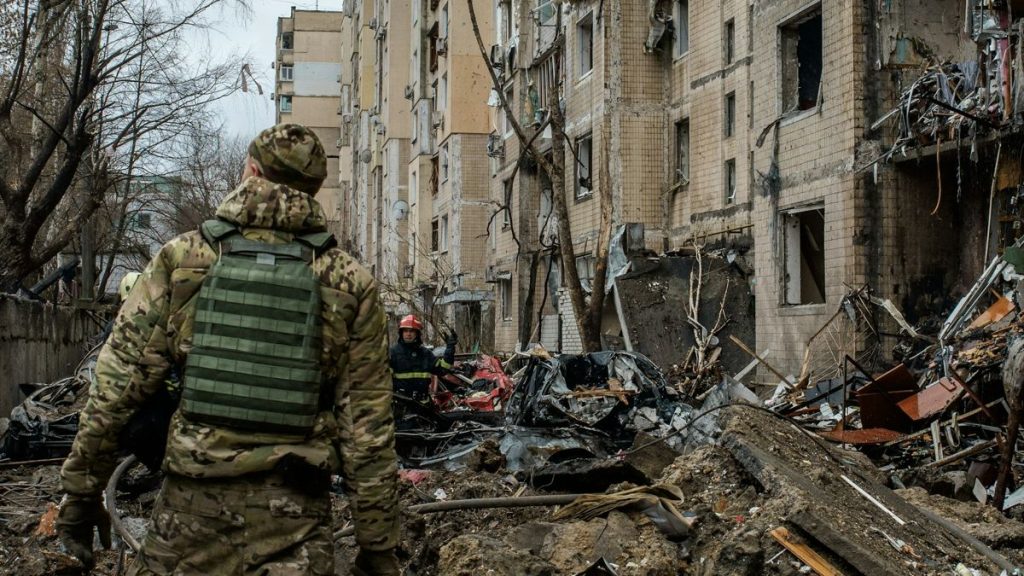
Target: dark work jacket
[(413, 364)]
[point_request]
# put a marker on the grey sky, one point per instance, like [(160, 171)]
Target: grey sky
[(244, 114)]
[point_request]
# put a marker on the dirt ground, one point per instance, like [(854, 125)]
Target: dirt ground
[(734, 507)]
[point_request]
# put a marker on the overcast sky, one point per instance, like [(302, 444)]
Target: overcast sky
[(245, 114)]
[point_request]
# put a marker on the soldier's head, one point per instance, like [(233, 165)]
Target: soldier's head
[(288, 154), (409, 329)]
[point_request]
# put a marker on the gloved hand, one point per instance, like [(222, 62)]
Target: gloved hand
[(77, 517), (451, 338), (376, 563)]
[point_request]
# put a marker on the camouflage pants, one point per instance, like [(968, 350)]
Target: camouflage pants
[(236, 526)]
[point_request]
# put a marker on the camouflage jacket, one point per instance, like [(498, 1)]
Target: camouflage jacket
[(153, 332)]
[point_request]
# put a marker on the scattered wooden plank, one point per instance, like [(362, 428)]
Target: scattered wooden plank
[(804, 553)]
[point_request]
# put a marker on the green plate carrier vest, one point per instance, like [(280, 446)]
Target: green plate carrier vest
[(255, 358)]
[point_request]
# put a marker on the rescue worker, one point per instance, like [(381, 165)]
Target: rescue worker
[(412, 363), (283, 343)]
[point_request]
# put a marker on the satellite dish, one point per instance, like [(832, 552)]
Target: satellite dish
[(365, 156), (400, 211)]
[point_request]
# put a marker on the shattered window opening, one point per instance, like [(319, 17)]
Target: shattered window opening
[(434, 175), (443, 242), (683, 151), (802, 47), (585, 38), (506, 213), (804, 245), (730, 181), (682, 25), (729, 42), (286, 103), (505, 298), (585, 270), (434, 238), (584, 154), (287, 40), (730, 114), (444, 163), (506, 124)]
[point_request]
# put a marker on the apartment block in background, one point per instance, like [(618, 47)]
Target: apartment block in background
[(307, 71)]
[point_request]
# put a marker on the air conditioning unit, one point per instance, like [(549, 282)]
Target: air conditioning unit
[(495, 146), (380, 129), (497, 57), (372, 24), (489, 275), (337, 143), (442, 46), (436, 118), (346, 118), (409, 94), (381, 32)]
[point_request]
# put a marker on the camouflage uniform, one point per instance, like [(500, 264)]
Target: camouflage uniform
[(223, 509)]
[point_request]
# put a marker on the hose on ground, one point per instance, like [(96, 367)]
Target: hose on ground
[(108, 498), (479, 503)]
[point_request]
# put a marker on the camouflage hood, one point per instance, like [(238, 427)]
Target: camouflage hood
[(260, 203)]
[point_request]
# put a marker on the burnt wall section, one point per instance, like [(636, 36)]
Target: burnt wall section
[(38, 343)]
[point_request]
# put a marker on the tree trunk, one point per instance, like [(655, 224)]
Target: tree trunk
[(589, 336)]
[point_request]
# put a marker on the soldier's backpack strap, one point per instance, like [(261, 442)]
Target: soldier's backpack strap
[(215, 231), (320, 242)]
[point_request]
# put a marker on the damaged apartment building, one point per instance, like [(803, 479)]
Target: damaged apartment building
[(414, 130), (823, 146), (780, 131)]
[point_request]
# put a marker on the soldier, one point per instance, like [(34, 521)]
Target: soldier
[(283, 345), (412, 363)]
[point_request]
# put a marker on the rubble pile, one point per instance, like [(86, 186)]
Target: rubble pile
[(960, 101), (939, 418), (595, 464)]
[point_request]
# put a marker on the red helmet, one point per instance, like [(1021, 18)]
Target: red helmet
[(410, 322)]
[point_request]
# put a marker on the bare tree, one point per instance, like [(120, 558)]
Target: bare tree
[(93, 92), (587, 310)]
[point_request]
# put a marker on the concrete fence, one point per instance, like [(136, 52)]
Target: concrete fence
[(38, 343)]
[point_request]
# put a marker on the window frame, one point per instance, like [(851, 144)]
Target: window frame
[(585, 24), (789, 74), (281, 99), (682, 173), (582, 193), (290, 76), (681, 23), (729, 115), (731, 183)]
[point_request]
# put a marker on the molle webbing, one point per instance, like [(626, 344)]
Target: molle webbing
[(255, 360)]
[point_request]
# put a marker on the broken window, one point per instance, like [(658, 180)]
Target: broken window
[(585, 270), (730, 181), (730, 114), (432, 42), (443, 242), (444, 163), (434, 175), (802, 61), (546, 12), (287, 40), (585, 38), (434, 237), (584, 157), (286, 103), (506, 213), (682, 24), (729, 42), (506, 123), (683, 151), (804, 246), (505, 298)]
